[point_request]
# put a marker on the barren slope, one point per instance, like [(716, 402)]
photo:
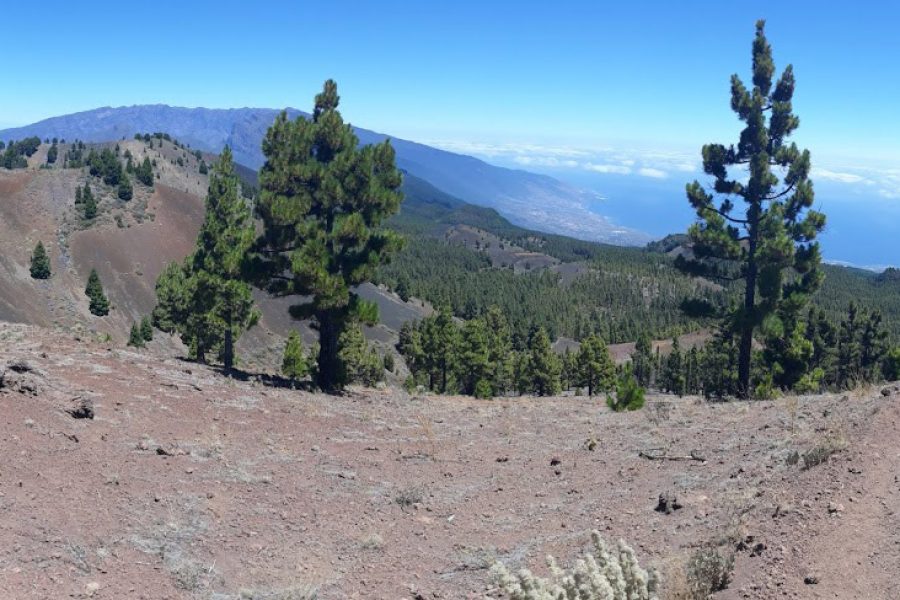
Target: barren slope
[(129, 244), (189, 485)]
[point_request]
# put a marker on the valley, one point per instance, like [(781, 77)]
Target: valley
[(528, 199)]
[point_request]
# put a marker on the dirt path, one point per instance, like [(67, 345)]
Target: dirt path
[(833, 531), (858, 553)]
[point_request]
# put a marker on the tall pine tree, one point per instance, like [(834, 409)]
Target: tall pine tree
[(542, 367), (774, 230), (322, 201), (205, 300), (595, 367)]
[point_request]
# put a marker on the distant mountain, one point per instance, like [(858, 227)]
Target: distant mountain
[(535, 201)]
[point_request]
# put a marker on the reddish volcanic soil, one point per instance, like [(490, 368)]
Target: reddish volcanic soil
[(186, 484)]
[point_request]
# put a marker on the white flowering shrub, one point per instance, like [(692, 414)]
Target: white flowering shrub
[(601, 575)]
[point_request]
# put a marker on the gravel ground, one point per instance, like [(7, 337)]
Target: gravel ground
[(187, 484)]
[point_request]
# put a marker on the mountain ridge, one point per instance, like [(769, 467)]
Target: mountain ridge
[(527, 199)]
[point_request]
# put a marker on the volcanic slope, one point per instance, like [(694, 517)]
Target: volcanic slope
[(138, 475), (128, 243)]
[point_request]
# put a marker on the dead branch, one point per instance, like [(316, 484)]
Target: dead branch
[(660, 454)]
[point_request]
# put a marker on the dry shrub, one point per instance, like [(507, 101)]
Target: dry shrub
[(659, 411), (698, 576), (599, 575), (833, 443)]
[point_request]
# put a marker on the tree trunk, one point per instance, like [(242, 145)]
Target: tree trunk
[(228, 349), (745, 351), (328, 377), (201, 352)]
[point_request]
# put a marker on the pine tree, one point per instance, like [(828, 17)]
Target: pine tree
[(52, 154), (499, 351), (822, 335), (643, 360), (389, 363), (225, 237), (474, 357), (629, 394), (410, 346), (788, 351), (718, 376), (873, 347), (88, 203), (146, 329), (673, 372), (183, 310), (144, 173), (543, 365), (135, 339), (440, 349), (40, 262), (776, 230), (569, 375), (849, 349), (205, 299), (322, 201), (402, 288), (596, 370), (692, 372), (294, 364), (99, 304), (125, 191), (891, 366), (360, 362)]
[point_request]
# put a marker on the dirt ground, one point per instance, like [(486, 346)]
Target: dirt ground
[(186, 484)]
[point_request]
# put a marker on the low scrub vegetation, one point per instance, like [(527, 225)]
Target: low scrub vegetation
[(599, 575)]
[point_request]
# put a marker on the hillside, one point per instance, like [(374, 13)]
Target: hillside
[(458, 254), (128, 243), (189, 485), (527, 199)]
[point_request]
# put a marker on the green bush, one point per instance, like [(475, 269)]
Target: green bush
[(891, 367), (629, 395), (483, 389), (294, 364), (135, 339), (147, 329), (125, 190)]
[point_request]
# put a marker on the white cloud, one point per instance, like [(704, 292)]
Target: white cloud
[(607, 168), (838, 176), (651, 172), (544, 161)]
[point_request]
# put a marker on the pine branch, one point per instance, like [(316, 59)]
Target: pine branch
[(725, 215), (781, 194)]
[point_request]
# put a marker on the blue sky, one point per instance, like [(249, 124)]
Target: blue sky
[(617, 97), (556, 73)]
